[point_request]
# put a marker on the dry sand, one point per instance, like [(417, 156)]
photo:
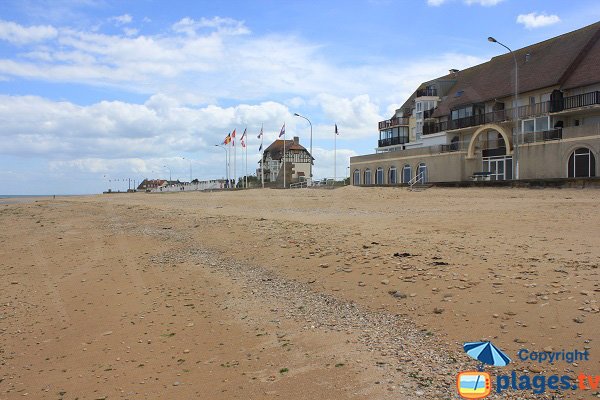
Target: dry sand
[(307, 294)]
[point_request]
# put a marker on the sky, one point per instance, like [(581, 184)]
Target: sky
[(94, 93)]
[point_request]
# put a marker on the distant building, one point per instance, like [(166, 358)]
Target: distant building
[(297, 161), (161, 185), (466, 125), (150, 184)]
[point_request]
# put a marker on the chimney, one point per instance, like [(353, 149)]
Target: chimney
[(296, 140), (454, 72)]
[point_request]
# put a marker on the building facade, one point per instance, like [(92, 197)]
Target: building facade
[(471, 124), (297, 161)]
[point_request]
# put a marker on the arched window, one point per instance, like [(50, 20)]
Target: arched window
[(422, 173), (379, 176), (393, 176), (356, 177), (406, 173), (582, 164), (367, 176)]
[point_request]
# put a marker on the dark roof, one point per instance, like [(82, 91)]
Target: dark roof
[(568, 61), (276, 148)]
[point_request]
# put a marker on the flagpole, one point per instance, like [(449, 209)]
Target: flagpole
[(334, 154), (246, 175), (234, 162), (284, 155), (262, 156), (229, 165)]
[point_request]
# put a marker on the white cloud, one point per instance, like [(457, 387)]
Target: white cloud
[(435, 3), (122, 19), (355, 117), (20, 35), (534, 20), (227, 26), (326, 157), (130, 31), (115, 129), (485, 3)]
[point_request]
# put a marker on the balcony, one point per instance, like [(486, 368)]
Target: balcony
[(390, 123), (427, 92), (543, 136), (393, 141), (428, 113), (581, 100), (533, 110)]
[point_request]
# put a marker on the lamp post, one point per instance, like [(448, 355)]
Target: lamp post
[(311, 153), (516, 116), (190, 167), (167, 167), (226, 162)]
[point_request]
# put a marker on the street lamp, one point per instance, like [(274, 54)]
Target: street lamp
[(516, 116), (226, 162), (311, 153), (167, 167), (190, 167)]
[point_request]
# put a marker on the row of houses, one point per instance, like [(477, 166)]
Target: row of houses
[(477, 123)]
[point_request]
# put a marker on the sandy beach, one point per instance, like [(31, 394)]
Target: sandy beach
[(352, 293)]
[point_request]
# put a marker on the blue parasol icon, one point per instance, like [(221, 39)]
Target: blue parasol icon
[(486, 353)]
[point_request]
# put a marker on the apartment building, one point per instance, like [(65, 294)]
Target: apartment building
[(530, 114)]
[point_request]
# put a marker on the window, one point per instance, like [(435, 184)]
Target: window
[(379, 176), (582, 164), (462, 112), (406, 173), (393, 178), (422, 173), (367, 176), (539, 124), (356, 177)]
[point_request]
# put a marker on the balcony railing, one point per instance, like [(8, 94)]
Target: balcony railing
[(524, 112), (426, 92), (428, 113), (581, 100), (393, 141), (389, 123), (543, 136)]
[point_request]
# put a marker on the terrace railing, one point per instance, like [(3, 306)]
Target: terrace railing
[(581, 100), (427, 92), (393, 141), (397, 121)]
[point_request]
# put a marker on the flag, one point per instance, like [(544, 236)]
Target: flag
[(227, 139), (282, 130), (233, 138), (243, 137), (260, 134), (336, 130)]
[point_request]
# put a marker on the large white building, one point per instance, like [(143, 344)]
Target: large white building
[(469, 124)]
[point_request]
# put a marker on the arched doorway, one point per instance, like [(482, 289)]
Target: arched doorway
[(406, 173), (393, 175), (367, 176), (582, 164), (422, 173), (496, 153), (379, 176), (356, 181)]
